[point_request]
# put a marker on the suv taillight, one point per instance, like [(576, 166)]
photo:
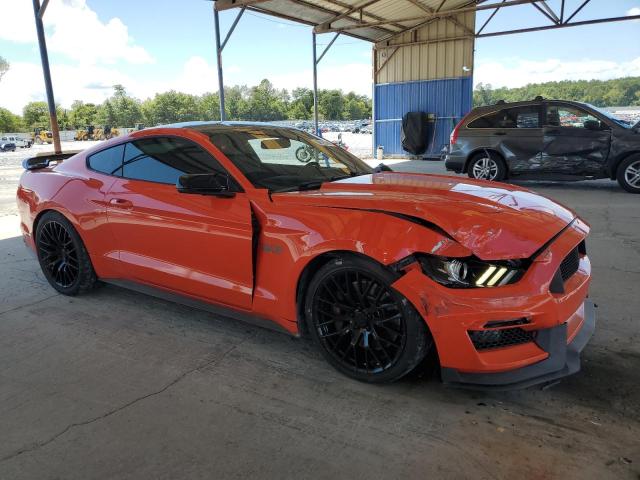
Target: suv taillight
[(453, 139)]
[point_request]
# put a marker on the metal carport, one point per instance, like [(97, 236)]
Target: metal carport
[(423, 50)]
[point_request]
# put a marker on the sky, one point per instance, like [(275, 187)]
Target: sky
[(152, 46)]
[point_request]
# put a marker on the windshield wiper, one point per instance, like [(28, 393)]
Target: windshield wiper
[(315, 184), (312, 185)]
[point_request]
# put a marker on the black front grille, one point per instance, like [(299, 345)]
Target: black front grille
[(570, 264), (485, 339)]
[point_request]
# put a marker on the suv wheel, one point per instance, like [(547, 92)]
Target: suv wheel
[(487, 166), (629, 174)]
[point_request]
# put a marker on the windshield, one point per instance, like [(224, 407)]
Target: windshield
[(610, 116), (284, 158)]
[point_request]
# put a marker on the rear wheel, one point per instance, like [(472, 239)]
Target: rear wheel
[(364, 328), (629, 174), (63, 258), (487, 166)]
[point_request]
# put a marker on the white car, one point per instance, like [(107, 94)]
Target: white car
[(18, 141)]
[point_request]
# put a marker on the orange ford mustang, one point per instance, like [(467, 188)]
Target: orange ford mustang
[(274, 225)]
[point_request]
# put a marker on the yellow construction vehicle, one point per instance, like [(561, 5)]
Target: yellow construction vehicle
[(105, 133), (84, 134), (41, 135)]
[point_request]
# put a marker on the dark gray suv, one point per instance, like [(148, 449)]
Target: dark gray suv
[(546, 139)]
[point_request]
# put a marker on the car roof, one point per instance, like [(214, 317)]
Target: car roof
[(206, 125), (500, 106)]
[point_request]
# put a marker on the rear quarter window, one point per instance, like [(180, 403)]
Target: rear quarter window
[(108, 161), (516, 117)]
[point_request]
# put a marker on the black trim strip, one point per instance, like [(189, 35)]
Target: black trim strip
[(199, 304)]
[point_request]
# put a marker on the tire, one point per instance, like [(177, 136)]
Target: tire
[(62, 256), (628, 174), (487, 166), (303, 154), (364, 328)]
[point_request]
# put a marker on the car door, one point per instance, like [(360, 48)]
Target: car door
[(515, 132), (575, 141), (196, 245)]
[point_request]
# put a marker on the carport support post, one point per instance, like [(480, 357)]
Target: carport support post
[(44, 57), (219, 57), (315, 85)]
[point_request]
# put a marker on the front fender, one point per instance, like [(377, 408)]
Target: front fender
[(287, 244)]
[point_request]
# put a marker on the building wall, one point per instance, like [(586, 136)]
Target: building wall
[(429, 69), (449, 99)]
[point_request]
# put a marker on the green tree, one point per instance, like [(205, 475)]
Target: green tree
[(301, 106), (82, 114), (10, 122), (331, 104), (616, 92), (209, 106), (36, 114), (236, 101), (171, 107), (4, 67), (127, 110), (266, 103)]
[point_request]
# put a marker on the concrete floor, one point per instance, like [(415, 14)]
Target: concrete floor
[(115, 384)]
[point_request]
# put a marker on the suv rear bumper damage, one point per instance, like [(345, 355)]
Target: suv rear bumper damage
[(563, 360)]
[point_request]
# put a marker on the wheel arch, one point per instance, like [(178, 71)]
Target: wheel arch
[(477, 151), (621, 158), (308, 272)]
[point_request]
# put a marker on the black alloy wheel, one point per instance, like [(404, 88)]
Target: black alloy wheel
[(62, 255), (365, 328), (58, 254)]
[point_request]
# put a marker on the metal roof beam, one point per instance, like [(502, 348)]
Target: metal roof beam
[(493, 14), (325, 27), (221, 5), (577, 10), (449, 19), (43, 7), (362, 13), (544, 12), (361, 6), (562, 25)]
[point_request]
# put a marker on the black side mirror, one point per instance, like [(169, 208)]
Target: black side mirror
[(215, 184)]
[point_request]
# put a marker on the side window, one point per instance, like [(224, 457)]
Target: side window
[(568, 116), (517, 117), (107, 161), (165, 159)]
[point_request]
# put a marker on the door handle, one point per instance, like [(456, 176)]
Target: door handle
[(500, 133), (552, 131), (121, 203)]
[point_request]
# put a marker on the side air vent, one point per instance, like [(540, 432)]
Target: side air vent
[(486, 339)]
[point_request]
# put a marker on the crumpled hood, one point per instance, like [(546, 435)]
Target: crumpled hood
[(493, 220)]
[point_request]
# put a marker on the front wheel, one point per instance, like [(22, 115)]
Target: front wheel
[(62, 256), (629, 174), (487, 166), (364, 328)]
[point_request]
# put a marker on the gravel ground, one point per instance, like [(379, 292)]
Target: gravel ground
[(115, 384)]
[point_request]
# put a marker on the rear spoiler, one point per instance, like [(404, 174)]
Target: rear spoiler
[(43, 160)]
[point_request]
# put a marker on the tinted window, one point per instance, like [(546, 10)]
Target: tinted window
[(107, 161), (517, 117), (165, 159), (566, 116)]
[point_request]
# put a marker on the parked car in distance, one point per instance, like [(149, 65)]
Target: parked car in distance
[(546, 139), (379, 269), (7, 147), (18, 141)]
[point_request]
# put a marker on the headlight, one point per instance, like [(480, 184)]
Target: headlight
[(471, 272)]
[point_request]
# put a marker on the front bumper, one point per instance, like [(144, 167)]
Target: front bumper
[(563, 360)]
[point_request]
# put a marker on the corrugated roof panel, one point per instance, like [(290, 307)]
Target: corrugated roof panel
[(316, 12)]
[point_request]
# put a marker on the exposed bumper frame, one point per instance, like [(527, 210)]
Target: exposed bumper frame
[(563, 360)]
